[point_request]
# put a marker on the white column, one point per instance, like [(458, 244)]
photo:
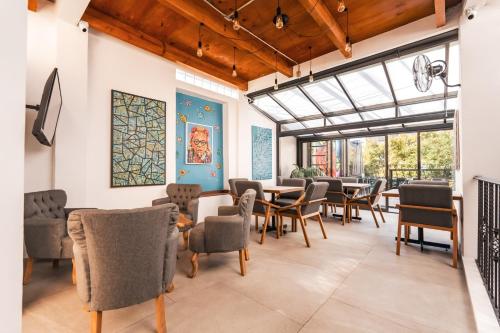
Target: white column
[(72, 130), (12, 95)]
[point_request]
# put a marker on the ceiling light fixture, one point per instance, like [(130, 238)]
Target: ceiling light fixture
[(276, 72), (311, 77), (234, 74), (298, 73), (199, 51), (236, 20), (280, 20), (348, 45), (340, 6)]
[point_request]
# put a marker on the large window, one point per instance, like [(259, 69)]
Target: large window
[(320, 156), (367, 157), (403, 164), (436, 155)]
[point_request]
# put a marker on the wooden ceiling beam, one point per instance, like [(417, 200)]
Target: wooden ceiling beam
[(33, 5), (197, 12), (440, 10), (324, 18), (108, 25)]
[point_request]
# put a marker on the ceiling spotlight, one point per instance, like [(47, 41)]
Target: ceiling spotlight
[(234, 74), (236, 20), (340, 6), (280, 19), (199, 51)]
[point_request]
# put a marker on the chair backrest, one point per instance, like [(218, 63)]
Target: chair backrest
[(279, 180), (232, 186), (121, 254), (430, 182), (309, 181), (182, 194), (245, 207), (334, 185), (350, 179), (298, 182), (320, 178), (376, 192), (45, 204), (430, 196), (242, 186), (316, 190)]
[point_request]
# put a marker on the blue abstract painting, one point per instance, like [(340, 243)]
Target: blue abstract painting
[(199, 146), (262, 153)]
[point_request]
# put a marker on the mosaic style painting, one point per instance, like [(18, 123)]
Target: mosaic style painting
[(262, 153), (138, 140), (199, 149)]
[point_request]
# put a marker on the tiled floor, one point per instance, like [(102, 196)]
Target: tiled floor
[(351, 282)]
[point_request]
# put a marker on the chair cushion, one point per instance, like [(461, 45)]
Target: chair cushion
[(285, 201), (45, 204), (197, 238)]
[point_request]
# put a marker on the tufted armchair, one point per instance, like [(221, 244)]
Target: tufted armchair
[(124, 257), (185, 196), (227, 232), (45, 232)]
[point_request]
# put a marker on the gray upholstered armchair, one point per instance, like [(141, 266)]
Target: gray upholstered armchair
[(124, 257), (232, 188), (45, 231), (228, 232), (186, 197)]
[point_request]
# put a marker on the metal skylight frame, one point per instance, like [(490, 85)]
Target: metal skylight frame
[(365, 125)]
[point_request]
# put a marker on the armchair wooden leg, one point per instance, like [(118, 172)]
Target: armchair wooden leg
[(398, 243), (278, 226), (194, 264), (322, 226), (170, 288), (455, 243), (55, 263), (256, 223), (381, 214), (264, 228), (95, 321), (373, 214), (302, 225), (28, 269), (73, 271), (294, 224), (407, 234), (247, 254), (185, 235), (242, 263), (161, 325), (344, 213)]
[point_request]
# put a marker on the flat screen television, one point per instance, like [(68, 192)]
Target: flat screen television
[(44, 128)]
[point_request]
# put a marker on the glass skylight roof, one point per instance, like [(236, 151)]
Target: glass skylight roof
[(379, 92), (297, 102)]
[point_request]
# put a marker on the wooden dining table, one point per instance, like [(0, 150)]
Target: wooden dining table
[(457, 196), (279, 190)]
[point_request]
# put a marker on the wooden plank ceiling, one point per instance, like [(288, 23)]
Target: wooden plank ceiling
[(169, 28)]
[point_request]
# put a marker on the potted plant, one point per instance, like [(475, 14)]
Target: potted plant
[(306, 172)]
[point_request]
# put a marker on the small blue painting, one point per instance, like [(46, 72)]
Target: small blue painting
[(262, 153), (199, 148)]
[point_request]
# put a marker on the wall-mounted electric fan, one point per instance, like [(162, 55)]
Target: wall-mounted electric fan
[(424, 71)]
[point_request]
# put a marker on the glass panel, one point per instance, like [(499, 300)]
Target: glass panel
[(320, 155), (292, 127), (420, 108), (329, 95), (400, 71), (402, 158), (436, 155), (367, 157), (296, 102), (337, 158), (367, 86), (348, 118), (453, 66), (379, 114), (272, 108), (452, 104), (315, 123)]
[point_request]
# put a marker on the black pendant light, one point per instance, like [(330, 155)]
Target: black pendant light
[(340, 6), (236, 20), (234, 73), (276, 72), (311, 77), (199, 50), (280, 20), (348, 46)]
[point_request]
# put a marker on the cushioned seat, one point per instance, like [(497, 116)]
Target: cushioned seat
[(197, 238), (285, 202)]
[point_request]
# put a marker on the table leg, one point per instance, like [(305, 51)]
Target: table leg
[(273, 218)]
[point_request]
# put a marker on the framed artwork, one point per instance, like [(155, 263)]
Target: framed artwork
[(262, 153), (137, 140), (199, 144)]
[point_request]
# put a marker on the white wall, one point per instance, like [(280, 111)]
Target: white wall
[(13, 97), (480, 110), (288, 155)]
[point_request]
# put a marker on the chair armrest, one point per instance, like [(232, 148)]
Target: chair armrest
[(228, 210), (160, 201), (428, 208), (43, 237), (267, 203), (224, 233), (193, 209), (77, 234), (170, 258), (68, 211)]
